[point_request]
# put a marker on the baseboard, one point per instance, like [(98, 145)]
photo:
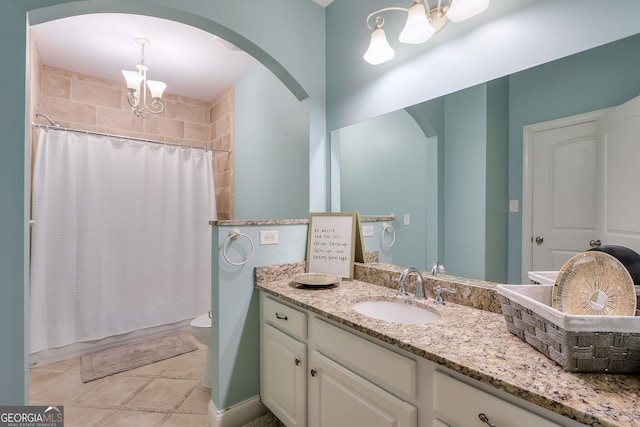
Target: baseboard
[(237, 415)]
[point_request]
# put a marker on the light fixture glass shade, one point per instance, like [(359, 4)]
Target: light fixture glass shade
[(418, 29), (379, 49), (156, 88), (133, 79), (461, 10)]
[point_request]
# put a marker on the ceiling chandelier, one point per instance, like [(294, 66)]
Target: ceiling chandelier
[(137, 85), (422, 22)]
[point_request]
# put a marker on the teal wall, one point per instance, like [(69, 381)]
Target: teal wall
[(497, 184), (465, 154), (505, 40), (284, 52), (13, 361), (387, 174), (235, 323), (317, 50), (271, 146)]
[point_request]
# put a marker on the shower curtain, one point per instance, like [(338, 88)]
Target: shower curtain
[(121, 239)]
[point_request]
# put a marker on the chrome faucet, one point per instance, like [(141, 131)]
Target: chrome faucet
[(419, 286), (438, 268)]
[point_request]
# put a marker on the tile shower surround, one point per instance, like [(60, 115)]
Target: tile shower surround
[(84, 102)]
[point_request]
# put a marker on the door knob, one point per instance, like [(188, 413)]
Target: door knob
[(595, 243), (539, 240)]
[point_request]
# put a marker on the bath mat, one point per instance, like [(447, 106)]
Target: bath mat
[(267, 420), (130, 356)]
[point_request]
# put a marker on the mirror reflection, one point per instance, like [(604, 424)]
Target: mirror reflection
[(447, 168)]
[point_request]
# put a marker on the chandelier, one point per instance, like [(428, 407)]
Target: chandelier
[(137, 85), (422, 22)]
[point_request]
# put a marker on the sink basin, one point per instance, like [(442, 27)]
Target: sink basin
[(396, 312)]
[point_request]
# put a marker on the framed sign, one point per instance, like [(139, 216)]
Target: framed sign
[(334, 241)]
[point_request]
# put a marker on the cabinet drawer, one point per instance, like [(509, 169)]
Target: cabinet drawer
[(398, 373), (284, 317), (459, 404)]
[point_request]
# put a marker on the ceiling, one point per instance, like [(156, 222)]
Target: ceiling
[(192, 62)]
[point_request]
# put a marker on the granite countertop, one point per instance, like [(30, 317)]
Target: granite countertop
[(475, 343)]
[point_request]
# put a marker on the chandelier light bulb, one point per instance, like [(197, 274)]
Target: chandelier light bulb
[(137, 85), (461, 10), (156, 88), (379, 49), (417, 29), (133, 79)]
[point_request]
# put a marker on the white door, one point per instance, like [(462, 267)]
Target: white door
[(619, 176), (561, 179), (564, 197)]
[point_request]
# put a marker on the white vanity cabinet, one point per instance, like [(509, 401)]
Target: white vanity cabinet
[(316, 373), (338, 380), (283, 361)]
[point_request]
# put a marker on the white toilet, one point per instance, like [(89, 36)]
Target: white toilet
[(201, 330)]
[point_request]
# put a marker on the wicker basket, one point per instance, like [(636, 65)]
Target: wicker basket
[(601, 344)]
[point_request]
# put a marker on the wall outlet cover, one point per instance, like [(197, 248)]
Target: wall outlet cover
[(268, 237)]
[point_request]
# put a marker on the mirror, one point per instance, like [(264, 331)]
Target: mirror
[(384, 164)]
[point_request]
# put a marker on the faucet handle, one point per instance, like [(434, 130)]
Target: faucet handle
[(439, 290), (401, 290)]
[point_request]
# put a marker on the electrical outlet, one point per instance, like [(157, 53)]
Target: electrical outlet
[(268, 237), (514, 206), (367, 230), (407, 219)]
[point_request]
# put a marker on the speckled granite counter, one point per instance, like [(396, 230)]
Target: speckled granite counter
[(472, 342)]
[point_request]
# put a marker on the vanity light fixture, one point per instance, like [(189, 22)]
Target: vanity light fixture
[(137, 85), (422, 23)]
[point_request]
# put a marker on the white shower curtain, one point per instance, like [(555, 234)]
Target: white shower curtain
[(121, 239)]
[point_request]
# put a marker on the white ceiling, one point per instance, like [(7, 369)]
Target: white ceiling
[(192, 62)]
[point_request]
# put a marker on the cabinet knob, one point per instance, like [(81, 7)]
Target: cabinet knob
[(485, 420), (297, 361), (313, 372), (281, 317), (595, 243)]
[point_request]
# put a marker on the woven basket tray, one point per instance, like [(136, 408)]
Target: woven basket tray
[(608, 344)]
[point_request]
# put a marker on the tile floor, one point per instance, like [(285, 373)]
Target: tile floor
[(166, 393)]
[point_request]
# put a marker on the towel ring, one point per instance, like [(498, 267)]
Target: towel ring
[(387, 227), (234, 234)]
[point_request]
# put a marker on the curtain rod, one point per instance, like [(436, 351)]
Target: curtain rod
[(89, 132)]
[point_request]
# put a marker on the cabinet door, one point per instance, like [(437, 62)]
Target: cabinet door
[(340, 398), (283, 385)]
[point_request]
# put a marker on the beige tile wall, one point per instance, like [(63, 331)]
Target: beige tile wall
[(84, 102)]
